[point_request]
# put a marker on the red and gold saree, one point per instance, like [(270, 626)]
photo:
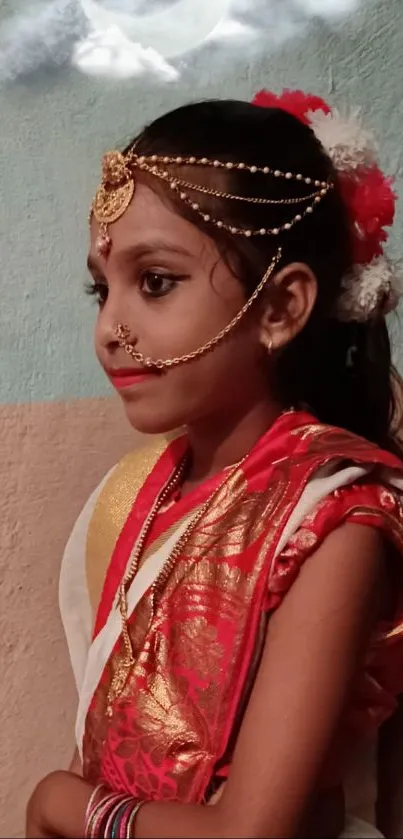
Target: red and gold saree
[(198, 646)]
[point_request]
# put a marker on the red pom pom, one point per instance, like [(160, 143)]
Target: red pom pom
[(371, 201), (295, 102)]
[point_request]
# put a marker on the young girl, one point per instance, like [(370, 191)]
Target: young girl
[(232, 594)]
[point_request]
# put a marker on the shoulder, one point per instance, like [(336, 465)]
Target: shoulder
[(315, 439), (338, 576), (351, 492)]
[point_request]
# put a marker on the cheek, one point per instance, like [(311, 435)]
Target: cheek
[(237, 359), (188, 326), (218, 384)]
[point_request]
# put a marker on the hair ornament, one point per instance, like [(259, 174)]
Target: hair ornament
[(348, 143), (369, 290), (372, 287), (119, 172)]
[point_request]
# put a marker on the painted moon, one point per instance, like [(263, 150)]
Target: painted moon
[(171, 32)]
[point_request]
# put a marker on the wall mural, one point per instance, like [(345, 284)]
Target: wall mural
[(126, 38)]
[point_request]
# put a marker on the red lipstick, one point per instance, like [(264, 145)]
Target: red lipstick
[(128, 376)]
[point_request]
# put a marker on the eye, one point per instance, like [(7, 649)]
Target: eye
[(97, 289), (155, 284)]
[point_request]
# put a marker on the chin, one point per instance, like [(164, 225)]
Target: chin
[(151, 422)]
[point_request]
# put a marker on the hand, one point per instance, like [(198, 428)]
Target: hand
[(57, 807)]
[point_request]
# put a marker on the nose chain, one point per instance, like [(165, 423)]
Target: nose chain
[(123, 332)]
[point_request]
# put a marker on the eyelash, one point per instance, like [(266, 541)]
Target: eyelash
[(96, 289), (99, 288)]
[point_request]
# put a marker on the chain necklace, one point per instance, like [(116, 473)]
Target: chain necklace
[(125, 666), (128, 661), (120, 677)]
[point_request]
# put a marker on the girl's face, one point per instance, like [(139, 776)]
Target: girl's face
[(166, 282)]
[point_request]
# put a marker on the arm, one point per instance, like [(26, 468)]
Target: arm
[(313, 646), (311, 654)]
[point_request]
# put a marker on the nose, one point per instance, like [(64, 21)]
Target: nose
[(106, 333)]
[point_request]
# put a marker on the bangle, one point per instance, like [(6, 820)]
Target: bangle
[(110, 815), (115, 814), (100, 789), (131, 821), (124, 823), (99, 814)]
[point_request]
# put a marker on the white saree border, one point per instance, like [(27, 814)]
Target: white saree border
[(74, 601)]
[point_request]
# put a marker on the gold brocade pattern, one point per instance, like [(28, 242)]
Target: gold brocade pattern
[(182, 695), (317, 436), (241, 515)]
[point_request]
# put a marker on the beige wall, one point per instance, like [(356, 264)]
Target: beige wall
[(52, 456)]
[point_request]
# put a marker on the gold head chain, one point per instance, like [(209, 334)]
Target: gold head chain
[(117, 190), (118, 185)]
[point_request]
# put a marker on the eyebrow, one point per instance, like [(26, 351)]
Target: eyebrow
[(140, 250)]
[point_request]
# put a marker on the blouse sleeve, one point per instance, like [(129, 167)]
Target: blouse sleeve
[(380, 678)]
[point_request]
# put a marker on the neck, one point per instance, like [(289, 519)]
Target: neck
[(217, 445)]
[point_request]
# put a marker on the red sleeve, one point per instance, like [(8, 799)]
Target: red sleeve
[(380, 679)]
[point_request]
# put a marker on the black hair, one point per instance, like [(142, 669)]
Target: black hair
[(342, 371)]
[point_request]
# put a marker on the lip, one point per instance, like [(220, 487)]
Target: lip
[(127, 377)]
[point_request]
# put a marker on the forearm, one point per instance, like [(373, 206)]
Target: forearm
[(113, 813), (58, 806), (181, 821)]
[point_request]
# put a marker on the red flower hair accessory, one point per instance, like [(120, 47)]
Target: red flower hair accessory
[(372, 286), (295, 102)]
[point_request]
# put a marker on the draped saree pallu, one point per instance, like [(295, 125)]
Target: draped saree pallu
[(198, 640)]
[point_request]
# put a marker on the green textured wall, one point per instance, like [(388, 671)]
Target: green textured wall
[(53, 131)]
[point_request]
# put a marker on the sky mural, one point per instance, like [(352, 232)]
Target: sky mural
[(128, 38)]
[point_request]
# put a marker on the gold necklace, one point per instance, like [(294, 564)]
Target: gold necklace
[(120, 677), (122, 672)]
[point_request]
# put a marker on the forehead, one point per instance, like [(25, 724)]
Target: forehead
[(148, 219)]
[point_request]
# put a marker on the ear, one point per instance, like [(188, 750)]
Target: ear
[(288, 306)]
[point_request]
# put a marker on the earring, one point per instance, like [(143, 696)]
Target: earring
[(269, 346)]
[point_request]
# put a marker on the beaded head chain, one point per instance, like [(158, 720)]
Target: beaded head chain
[(119, 183)]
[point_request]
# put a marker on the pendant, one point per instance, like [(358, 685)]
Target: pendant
[(118, 682), (104, 242)]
